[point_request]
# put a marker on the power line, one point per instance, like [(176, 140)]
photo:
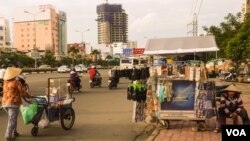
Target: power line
[(191, 11), (199, 8)]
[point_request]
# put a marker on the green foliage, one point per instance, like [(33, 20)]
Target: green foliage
[(238, 48), (232, 37), (20, 60), (73, 51), (48, 59)]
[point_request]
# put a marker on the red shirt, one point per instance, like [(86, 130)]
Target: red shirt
[(92, 73)]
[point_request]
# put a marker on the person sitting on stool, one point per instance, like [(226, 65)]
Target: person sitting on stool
[(231, 106)]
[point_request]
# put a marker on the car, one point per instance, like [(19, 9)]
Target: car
[(84, 69), (44, 67), (98, 66), (63, 69), (81, 68)]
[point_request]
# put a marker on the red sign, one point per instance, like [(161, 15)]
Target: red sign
[(138, 50)]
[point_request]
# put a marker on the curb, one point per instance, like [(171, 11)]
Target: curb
[(154, 134)]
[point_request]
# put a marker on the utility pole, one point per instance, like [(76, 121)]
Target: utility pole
[(34, 20), (83, 43), (194, 26)]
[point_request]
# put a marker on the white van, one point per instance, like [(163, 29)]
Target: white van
[(130, 62)]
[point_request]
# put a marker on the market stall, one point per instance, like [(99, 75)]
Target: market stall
[(180, 91)]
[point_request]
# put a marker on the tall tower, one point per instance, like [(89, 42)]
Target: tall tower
[(245, 8), (4, 33), (112, 23)]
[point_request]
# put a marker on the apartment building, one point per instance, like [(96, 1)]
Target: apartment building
[(112, 24), (5, 41), (245, 8), (40, 28)]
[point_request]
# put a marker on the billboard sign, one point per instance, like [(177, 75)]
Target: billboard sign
[(127, 51), (138, 50)]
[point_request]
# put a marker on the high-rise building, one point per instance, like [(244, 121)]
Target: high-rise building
[(40, 28), (112, 24), (4, 33), (132, 44), (245, 8)]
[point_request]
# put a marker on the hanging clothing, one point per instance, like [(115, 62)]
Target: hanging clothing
[(161, 93), (169, 91)]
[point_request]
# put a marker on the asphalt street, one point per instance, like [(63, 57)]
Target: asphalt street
[(101, 114)]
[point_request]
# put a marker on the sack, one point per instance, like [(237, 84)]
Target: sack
[(28, 112), (44, 122)]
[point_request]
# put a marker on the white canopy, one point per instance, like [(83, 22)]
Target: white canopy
[(181, 45)]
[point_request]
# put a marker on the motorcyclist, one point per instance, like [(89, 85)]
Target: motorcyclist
[(93, 73), (74, 77)]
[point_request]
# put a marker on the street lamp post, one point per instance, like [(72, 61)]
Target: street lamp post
[(82, 32), (34, 20)]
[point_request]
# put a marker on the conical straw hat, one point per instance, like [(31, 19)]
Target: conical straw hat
[(232, 88), (11, 73)]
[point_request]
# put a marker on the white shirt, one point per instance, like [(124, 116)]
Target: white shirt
[(2, 72)]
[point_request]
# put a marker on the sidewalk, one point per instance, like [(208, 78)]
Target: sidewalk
[(182, 130)]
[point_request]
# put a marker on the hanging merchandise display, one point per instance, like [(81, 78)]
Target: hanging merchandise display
[(180, 95), (136, 92)]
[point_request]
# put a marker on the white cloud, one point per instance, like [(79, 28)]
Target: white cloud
[(144, 23), (160, 18)]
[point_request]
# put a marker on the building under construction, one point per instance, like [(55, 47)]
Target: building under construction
[(112, 24)]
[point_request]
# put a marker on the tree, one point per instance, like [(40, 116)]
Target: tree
[(16, 59), (48, 59), (225, 32), (95, 52), (73, 51), (238, 48)]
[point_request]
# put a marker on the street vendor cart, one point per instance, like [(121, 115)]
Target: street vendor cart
[(55, 105)]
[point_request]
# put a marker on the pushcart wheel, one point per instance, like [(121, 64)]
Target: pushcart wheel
[(34, 131), (67, 118), (202, 126), (166, 122)]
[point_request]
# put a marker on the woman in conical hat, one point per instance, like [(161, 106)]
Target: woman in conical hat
[(231, 106), (12, 93)]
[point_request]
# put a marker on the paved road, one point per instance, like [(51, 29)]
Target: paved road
[(101, 114)]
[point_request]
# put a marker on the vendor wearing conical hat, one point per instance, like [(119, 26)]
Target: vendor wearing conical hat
[(231, 106), (12, 93)]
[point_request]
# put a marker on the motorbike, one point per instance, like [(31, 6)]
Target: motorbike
[(97, 81), (72, 86), (230, 76), (112, 83)]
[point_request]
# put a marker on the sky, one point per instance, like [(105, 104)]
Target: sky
[(146, 18)]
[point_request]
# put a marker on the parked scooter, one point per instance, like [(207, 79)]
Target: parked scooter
[(112, 83), (229, 76), (97, 81), (72, 86)]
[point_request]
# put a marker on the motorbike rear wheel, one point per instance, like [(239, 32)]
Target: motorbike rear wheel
[(91, 85), (110, 86)]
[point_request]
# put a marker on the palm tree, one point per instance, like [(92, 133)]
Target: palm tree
[(95, 52), (73, 51)]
